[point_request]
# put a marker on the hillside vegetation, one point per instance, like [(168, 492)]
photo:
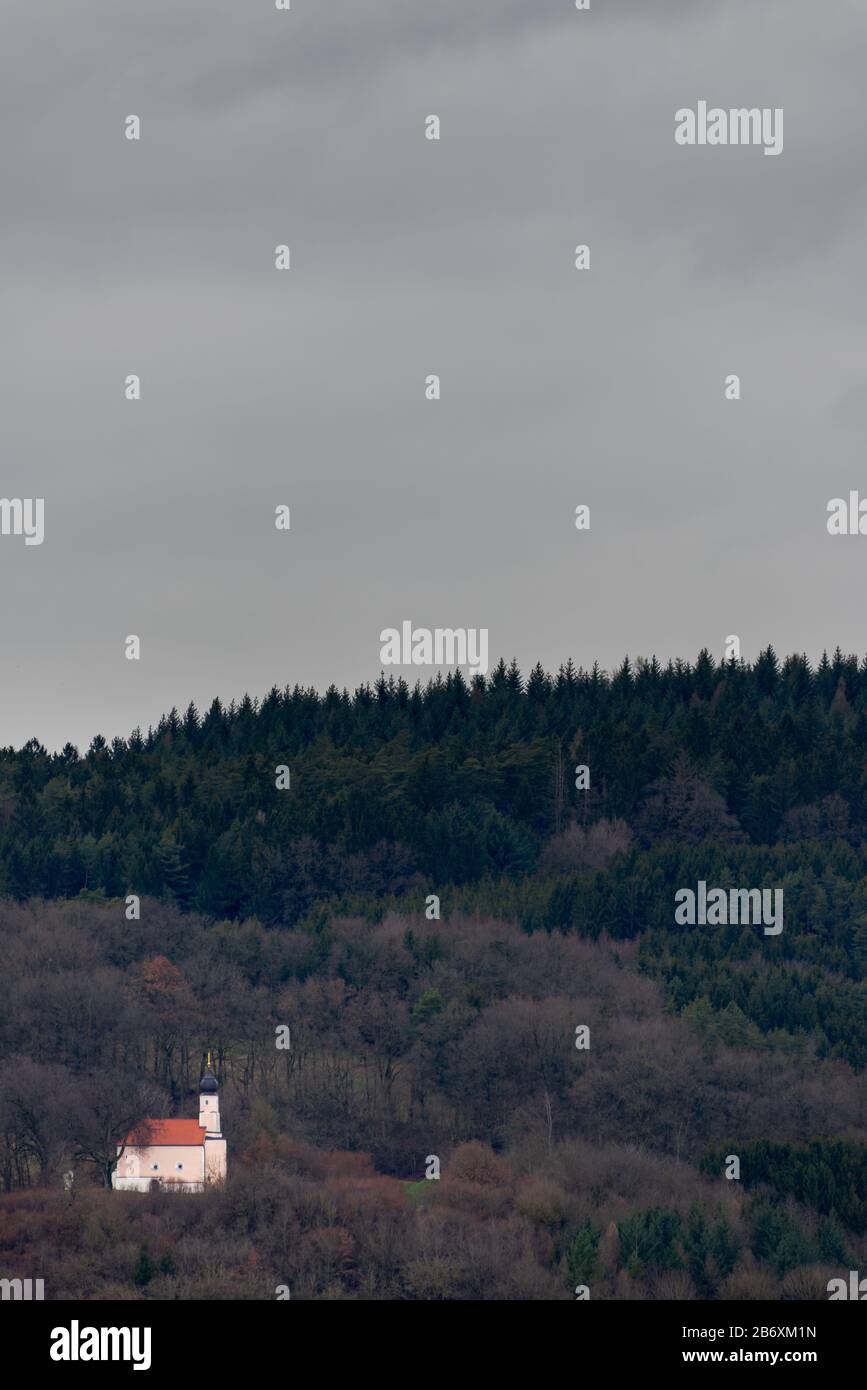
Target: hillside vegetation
[(454, 1036)]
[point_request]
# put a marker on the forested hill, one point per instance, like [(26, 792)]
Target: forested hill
[(394, 788), (454, 1034)]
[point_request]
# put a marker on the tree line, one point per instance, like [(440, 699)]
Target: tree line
[(454, 782)]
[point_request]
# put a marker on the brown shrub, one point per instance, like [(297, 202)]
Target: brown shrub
[(478, 1165)]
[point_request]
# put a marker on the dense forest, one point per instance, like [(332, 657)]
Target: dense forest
[(552, 819)]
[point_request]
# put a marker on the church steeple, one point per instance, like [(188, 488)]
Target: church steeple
[(209, 1104)]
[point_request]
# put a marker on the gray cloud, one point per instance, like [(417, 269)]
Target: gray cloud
[(409, 258)]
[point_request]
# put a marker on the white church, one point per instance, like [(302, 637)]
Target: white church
[(179, 1155)]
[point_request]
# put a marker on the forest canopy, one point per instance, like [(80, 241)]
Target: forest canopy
[(551, 819)]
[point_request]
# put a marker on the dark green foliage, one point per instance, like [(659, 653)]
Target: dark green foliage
[(581, 1255), (778, 1240), (711, 1249), (828, 1175), (649, 1240), (145, 1268)]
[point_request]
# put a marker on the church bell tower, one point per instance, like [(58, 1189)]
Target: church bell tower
[(209, 1103), (209, 1118)]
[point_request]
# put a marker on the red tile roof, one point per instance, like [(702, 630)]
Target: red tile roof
[(152, 1133)]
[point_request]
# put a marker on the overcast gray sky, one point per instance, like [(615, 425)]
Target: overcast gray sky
[(412, 257)]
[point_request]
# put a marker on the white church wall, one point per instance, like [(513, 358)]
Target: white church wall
[(215, 1160), (173, 1163)]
